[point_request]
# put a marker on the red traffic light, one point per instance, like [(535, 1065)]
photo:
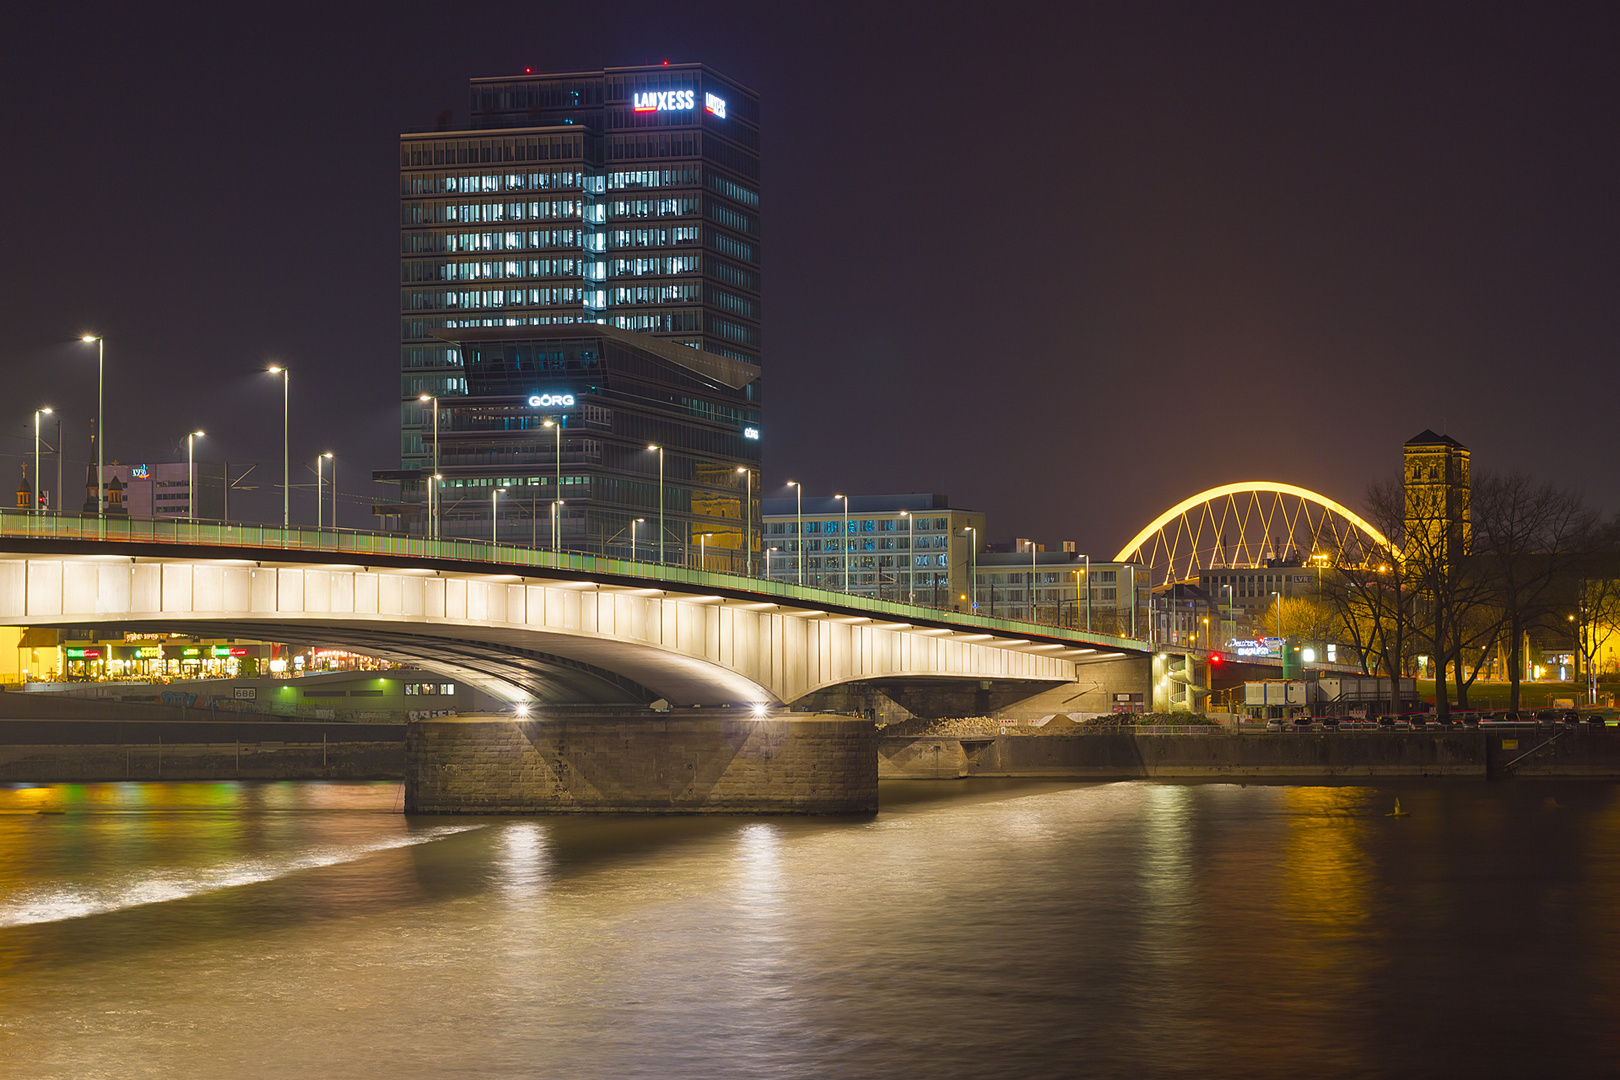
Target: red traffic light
[(1215, 658)]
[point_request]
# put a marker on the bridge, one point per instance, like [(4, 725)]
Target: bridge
[(530, 627)]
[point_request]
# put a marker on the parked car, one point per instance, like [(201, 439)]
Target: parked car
[(1275, 725), (1571, 716), (1330, 723), (1595, 723), (1302, 723), (1451, 722)]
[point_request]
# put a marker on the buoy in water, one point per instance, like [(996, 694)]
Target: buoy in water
[(1398, 812)]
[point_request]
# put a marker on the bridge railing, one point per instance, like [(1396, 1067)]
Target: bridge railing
[(356, 544)]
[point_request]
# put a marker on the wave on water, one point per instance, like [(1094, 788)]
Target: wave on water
[(77, 902)]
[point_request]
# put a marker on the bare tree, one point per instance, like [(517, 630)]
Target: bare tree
[(1528, 540)]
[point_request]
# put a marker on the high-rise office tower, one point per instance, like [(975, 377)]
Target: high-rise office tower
[(628, 198)]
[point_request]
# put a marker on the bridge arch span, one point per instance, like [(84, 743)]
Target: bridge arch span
[(1243, 523)]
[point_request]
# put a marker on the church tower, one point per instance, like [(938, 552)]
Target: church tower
[(1438, 490)]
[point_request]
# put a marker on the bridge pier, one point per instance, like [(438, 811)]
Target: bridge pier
[(709, 761)]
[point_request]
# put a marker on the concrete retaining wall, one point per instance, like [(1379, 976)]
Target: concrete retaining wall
[(1122, 755), (642, 764)]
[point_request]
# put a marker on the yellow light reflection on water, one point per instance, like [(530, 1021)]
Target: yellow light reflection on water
[(1325, 864)]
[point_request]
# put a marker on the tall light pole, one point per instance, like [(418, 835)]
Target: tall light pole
[(319, 461), (101, 419), (660, 450), (191, 475), (37, 414), (1031, 581), (911, 556), (494, 498), (333, 482), (433, 510), (1088, 592), (703, 551), (556, 515), (748, 520), (798, 489), (973, 566), (286, 457), (845, 544), (633, 525)]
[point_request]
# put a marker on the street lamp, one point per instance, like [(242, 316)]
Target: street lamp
[(494, 498), (191, 476), (660, 449), (332, 483), (845, 544), (798, 490), (633, 525), (435, 492), (556, 511), (101, 420), (433, 512), (1031, 581), (37, 413), (748, 520), (286, 459), (319, 460), (911, 557), (703, 551), (973, 566)]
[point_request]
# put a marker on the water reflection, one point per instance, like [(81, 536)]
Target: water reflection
[(969, 930)]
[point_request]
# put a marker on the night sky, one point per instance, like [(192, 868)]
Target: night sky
[(1065, 263)]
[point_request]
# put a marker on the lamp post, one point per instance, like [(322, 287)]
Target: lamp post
[(286, 459), (911, 557), (973, 566), (191, 476), (660, 449), (798, 490), (748, 520), (1031, 581), (494, 499), (37, 414), (332, 483), (703, 551), (845, 543), (101, 420), (433, 510), (1088, 593), (556, 512), (435, 492), (320, 459), (633, 525)]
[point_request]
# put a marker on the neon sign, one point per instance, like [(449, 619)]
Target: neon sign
[(542, 401), (140, 472), (667, 101), (715, 104), (750, 432)]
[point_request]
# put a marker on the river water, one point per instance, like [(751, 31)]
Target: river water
[(971, 929)]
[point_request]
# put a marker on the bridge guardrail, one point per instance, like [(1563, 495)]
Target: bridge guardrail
[(485, 553)]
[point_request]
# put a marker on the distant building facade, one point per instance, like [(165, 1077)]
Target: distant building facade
[(163, 489), (889, 546)]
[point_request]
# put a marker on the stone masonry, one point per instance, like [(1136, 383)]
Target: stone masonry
[(690, 762)]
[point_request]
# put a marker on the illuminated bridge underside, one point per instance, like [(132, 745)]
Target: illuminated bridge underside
[(522, 637), (1242, 525)]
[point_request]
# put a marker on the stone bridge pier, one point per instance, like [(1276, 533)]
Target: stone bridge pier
[(703, 761)]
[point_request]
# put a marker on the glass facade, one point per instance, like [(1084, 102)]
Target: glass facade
[(552, 433), (627, 198)]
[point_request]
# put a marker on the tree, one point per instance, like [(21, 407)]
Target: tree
[(1528, 539)]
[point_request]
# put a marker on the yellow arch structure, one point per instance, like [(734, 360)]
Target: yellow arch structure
[(1245, 488)]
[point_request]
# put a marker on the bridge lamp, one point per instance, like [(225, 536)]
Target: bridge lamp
[(798, 490), (845, 543), (319, 460), (46, 411), (494, 499), (191, 475), (633, 524), (101, 419), (286, 459), (973, 570), (556, 537), (759, 710), (748, 520), (433, 516), (660, 449)]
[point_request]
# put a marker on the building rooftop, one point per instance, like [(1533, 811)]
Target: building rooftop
[(1427, 437)]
